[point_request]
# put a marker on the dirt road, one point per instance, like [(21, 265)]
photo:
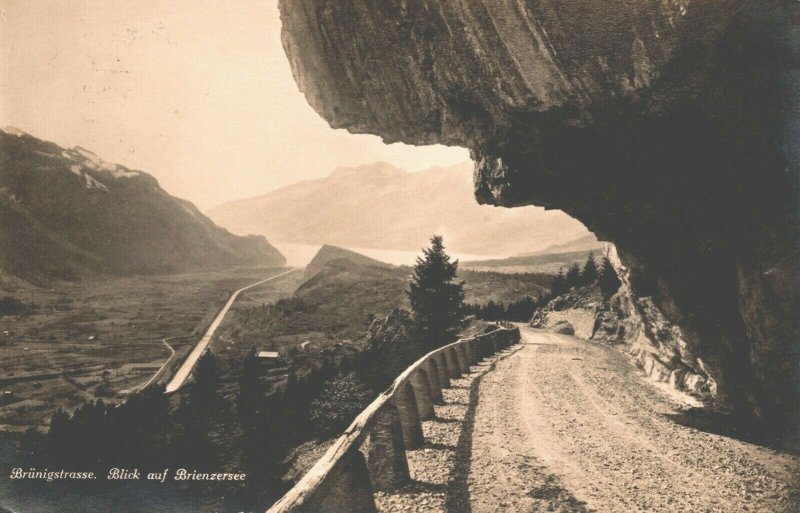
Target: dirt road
[(565, 425), (560, 424), (186, 367)]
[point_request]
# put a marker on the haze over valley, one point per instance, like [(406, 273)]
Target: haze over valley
[(381, 207)]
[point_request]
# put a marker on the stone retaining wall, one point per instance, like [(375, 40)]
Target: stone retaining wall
[(370, 455)]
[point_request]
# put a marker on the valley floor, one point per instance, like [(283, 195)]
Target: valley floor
[(564, 425)]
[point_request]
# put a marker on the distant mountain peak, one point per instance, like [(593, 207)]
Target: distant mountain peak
[(378, 168), (378, 206), (10, 130), (328, 253)]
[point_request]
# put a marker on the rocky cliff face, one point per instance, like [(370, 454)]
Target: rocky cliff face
[(633, 324), (667, 127)]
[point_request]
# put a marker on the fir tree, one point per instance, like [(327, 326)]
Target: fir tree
[(589, 272), (573, 277), (437, 300), (198, 415), (608, 280), (251, 389), (559, 285)]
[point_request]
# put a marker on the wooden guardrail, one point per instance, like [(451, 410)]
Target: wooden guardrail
[(370, 455)]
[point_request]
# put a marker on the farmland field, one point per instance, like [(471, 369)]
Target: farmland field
[(79, 341)]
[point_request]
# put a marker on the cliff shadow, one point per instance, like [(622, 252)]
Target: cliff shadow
[(458, 498), (739, 427)]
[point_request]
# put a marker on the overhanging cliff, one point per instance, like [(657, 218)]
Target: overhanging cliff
[(666, 126)]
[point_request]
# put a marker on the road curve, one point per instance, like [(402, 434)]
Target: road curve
[(566, 425), (560, 424), (185, 369), (157, 374)]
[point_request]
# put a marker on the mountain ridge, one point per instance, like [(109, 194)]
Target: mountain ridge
[(380, 206), (68, 214)]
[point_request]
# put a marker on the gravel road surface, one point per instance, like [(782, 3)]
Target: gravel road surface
[(560, 424)]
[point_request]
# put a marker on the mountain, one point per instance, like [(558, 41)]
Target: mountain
[(547, 260), (328, 253), (67, 214), (537, 263), (583, 244), (380, 206)]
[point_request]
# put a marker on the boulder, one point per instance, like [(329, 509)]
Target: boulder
[(563, 327)]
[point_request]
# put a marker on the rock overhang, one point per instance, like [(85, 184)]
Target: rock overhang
[(657, 124)]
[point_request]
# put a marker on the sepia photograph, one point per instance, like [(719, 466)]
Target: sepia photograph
[(399, 256)]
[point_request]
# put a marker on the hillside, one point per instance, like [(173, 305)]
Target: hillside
[(536, 263), (383, 207), (586, 243), (337, 299), (67, 214), (328, 253)]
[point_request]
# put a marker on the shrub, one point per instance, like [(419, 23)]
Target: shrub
[(342, 399)]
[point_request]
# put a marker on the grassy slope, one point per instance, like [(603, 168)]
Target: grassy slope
[(336, 303)]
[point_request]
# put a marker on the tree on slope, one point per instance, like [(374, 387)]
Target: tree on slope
[(607, 279), (437, 299), (251, 390), (573, 277), (589, 272), (559, 285), (197, 416)]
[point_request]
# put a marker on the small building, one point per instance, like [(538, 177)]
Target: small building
[(270, 360)]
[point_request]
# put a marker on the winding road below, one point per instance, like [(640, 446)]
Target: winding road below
[(560, 424), (186, 367)]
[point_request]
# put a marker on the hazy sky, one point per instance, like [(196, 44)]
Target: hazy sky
[(197, 93)]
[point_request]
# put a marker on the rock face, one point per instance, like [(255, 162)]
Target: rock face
[(667, 127), (633, 324)]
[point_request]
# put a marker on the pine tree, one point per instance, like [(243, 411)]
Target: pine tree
[(573, 277), (57, 444), (589, 272), (198, 415), (437, 300), (608, 280), (491, 311), (559, 285), (251, 389)]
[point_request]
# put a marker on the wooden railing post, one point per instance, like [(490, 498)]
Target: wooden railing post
[(444, 374), (343, 480), (452, 363), (422, 394), (386, 461), (433, 381), (406, 405), (348, 489), (469, 347), (461, 358)]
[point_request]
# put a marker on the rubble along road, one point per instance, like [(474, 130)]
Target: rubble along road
[(567, 425)]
